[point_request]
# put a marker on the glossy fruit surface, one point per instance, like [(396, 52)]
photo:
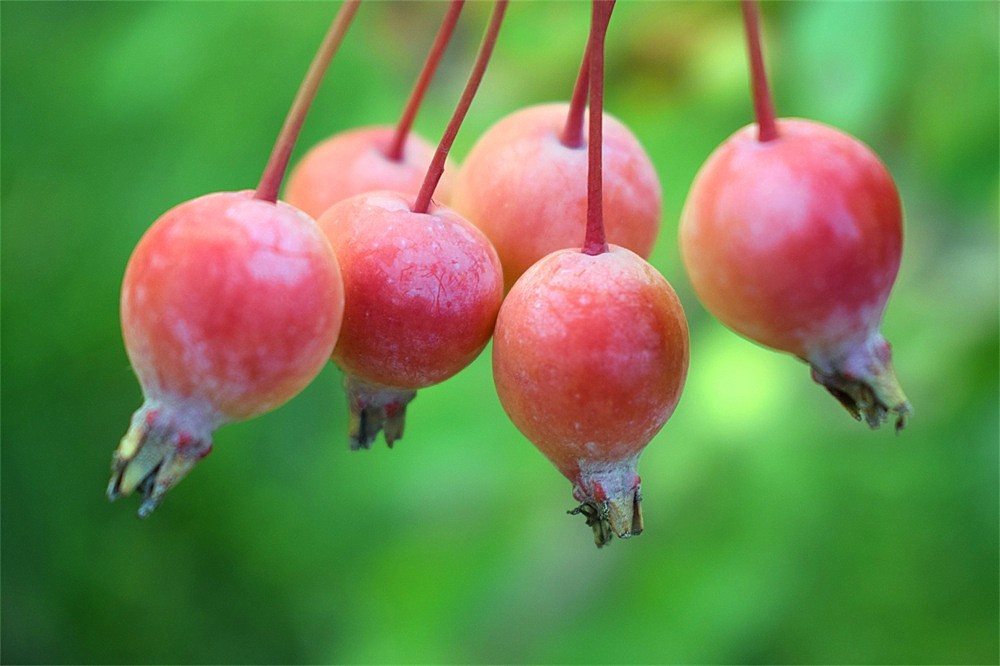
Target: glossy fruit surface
[(795, 243), (231, 301), (422, 291), (590, 356), (230, 306), (355, 162), (528, 192)]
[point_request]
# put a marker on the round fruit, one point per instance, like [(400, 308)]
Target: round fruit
[(795, 243), (590, 356), (230, 306), (422, 292)]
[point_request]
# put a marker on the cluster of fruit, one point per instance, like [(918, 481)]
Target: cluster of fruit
[(234, 301)]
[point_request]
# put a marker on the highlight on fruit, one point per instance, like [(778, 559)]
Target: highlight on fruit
[(792, 235), (399, 265)]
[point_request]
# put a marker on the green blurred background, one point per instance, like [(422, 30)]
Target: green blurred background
[(778, 529)]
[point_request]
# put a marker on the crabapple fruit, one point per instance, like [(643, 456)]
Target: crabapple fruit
[(230, 306), (590, 350), (355, 162), (795, 243), (527, 190), (590, 355), (422, 292), (422, 285)]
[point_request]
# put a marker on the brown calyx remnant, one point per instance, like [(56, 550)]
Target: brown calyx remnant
[(375, 408)]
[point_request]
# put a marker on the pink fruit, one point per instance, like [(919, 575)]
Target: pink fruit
[(422, 285), (795, 243), (527, 191), (230, 306), (355, 162), (589, 358), (422, 292)]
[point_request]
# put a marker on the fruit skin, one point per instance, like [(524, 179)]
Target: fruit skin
[(795, 243), (528, 192), (230, 306), (354, 162), (422, 291), (590, 356)]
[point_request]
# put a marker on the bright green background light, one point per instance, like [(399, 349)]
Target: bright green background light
[(778, 530)]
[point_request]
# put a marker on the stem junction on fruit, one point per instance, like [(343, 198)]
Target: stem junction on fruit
[(763, 106), (277, 163), (572, 134), (395, 150), (436, 168), (595, 241)]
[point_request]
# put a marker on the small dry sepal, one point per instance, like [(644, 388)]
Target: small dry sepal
[(158, 450), (865, 384), (375, 408), (610, 500)]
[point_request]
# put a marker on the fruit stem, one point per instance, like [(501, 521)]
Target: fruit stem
[(763, 106), (277, 163), (436, 167), (595, 241), (395, 151), (572, 135)]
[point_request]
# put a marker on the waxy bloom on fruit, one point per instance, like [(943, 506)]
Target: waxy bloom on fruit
[(589, 358), (795, 242), (230, 306), (527, 190), (422, 292)]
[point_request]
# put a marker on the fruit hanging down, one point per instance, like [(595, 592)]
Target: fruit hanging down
[(795, 243), (792, 236), (422, 286), (526, 188), (231, 304), (590, 355), (422, 292), (591, 349)]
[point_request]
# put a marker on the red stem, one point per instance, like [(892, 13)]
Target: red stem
[(763, 106), (436, 167), (395, 151), (595, 241), (277, 163), (572, 136)]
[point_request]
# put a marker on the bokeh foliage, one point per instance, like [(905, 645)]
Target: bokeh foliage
[(778, 530)]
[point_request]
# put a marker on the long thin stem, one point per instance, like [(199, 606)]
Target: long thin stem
[(595, 241), (277, 163), (572, 136), (763, 106), (395, 151), (436, 167)]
